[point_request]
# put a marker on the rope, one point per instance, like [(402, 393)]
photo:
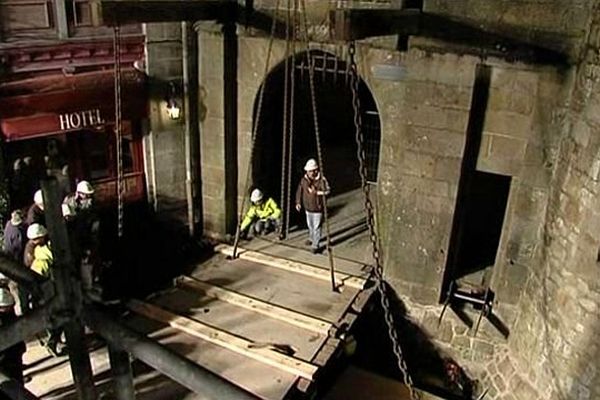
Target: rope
[(384, 299), (311, 76), (291, 132), (255, 128), (284, 130), (118, 129)]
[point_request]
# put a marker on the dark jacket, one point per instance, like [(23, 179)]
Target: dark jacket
[(35, 215), (14, 240), (28, 253), (306, 194)]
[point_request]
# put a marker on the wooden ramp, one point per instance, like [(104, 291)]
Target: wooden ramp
[(267, 321)]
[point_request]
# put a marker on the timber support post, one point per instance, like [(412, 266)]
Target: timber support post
[(68, 291)]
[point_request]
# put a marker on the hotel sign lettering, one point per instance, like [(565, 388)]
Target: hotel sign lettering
[(80, 119)]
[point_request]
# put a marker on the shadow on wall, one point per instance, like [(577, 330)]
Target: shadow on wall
[(427, 365)]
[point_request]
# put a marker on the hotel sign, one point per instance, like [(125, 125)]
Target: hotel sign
[(80, 119)]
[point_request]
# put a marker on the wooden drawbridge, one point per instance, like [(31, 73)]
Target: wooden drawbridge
[(267, 321)]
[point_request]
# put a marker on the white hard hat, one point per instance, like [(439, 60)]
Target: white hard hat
[(256, 196), (6, 298), (311, 165), (36, 231), (38, 198), (85, 187)]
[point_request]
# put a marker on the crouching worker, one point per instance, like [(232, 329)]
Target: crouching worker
[(263, 216)]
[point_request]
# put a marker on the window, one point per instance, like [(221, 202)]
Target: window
[(82, 13), (95, 163), (127, 147)]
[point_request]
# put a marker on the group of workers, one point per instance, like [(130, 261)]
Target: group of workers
[(26, 241), (264, 216)]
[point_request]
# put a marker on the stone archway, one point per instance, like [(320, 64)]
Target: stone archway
[(335, 117)]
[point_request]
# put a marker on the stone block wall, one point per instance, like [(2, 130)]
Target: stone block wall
[(165, 142), (520, 138), (555, 338), (212, 131), (424, 117)]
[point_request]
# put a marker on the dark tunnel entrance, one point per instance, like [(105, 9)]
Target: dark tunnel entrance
[(336, 125)]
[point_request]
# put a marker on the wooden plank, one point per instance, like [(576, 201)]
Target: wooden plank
[(293, 266), (259, 306), (298, 252), (224, 339), (302, 293)]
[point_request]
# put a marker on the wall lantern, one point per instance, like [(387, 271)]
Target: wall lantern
[(173, 109)]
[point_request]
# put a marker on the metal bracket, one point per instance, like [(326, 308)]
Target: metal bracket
[(482, 299)]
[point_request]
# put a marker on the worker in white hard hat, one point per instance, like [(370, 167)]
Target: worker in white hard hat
[(82, 199), (35, 213), (11, 359), (312, 189), (262, 217), (41, 261), (38, 255), (83, 226), (37, 235), (15, 238)]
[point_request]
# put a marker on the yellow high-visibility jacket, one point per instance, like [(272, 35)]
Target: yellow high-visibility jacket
[(42, 260), (264, 210)]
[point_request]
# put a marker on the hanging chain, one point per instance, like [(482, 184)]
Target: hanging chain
[(284, 131), (255, 128), (383, 295), (288, 205), (118, 129), (313, 100)]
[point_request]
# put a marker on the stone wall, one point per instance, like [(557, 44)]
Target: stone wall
[(424, 118), (164, 143), (555, 339), (212, 136), (520, 139)]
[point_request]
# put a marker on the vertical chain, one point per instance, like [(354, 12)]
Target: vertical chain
[(383, 295), (118, 129), (284, 131), (291, 132), (313, 99), (255, 127)]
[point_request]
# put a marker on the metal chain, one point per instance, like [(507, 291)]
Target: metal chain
[(313, 99), (291, 132), (255, 127), (118, 130), (383, 295), (284, 130)]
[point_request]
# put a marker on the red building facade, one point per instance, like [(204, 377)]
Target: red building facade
[(57, 113)]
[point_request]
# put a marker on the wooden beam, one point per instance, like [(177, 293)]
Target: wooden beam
[(120, 368), (293, 266), (355, 24), (459, 37), (179, 368), (225, 339), (129, 11), (262, 307)]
